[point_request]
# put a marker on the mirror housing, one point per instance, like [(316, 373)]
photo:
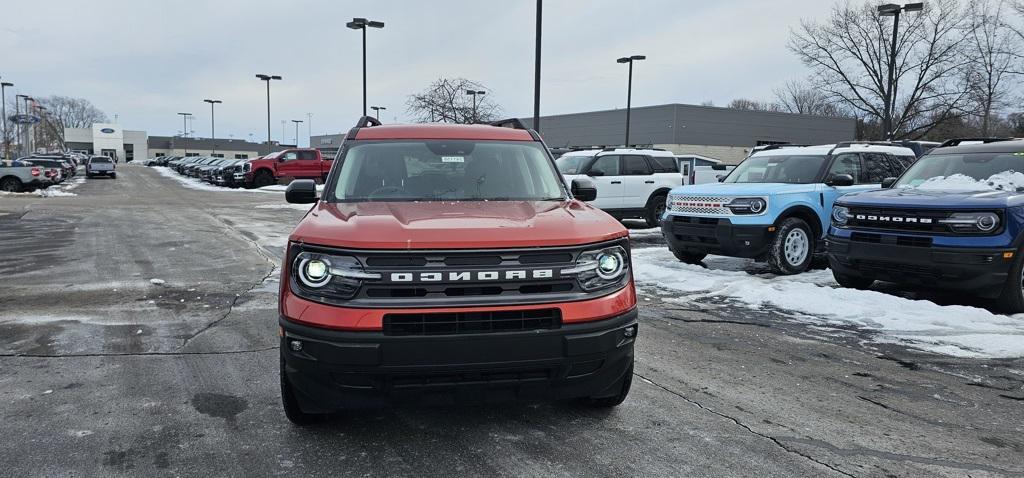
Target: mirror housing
[(888, 182), (301, 191), (718, 167), (840, 180), (583, 189)]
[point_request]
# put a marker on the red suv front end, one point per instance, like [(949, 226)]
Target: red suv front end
[(451, 264)]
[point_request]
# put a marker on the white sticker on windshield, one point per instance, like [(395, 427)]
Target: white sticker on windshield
[(453, 159)]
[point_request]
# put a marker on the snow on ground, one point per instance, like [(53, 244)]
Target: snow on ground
[(60, 190), (814, 297), (1004, 181), (654, 231), (299, 207), (193, 183)]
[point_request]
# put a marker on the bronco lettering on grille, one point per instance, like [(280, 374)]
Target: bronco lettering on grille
[(474, 276), (909, 220)]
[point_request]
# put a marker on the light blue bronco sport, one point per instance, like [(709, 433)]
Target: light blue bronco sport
[(776, 205)]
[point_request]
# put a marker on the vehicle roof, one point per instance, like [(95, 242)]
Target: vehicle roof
[(823, 149), (1015, 146), (443, 131), (601, 152)]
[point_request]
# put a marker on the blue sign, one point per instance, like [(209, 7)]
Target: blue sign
[(107, 130), (24, 119)]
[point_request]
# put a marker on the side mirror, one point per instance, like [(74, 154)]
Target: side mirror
[(595, 174), (888, 182), (720, 177), (301, 191), (840, 180), (718, 167), (583, 189), (280, 159)]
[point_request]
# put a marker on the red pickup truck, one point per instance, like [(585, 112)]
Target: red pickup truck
[(302, 163)]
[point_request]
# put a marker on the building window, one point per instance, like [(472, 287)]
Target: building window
[(241, 156), (217, 155), (159, 155), (191, 154)]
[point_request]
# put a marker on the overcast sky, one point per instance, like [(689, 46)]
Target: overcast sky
[(145, 61)]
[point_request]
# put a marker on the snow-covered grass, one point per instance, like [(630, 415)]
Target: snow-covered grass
[(193, 183), (814, 297), (1004, 181)]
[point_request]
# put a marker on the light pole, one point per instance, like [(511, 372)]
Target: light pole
[(376, 111), (363, 24), (184, 131), (267, 79), (473, 93), (893, 10), (297, 122), (3, 112), (629, 87), (309, 125), (536, 73), (213, 129), (21, 127)]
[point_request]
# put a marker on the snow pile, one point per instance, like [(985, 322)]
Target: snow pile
[(815, 297), (53, 192), (654, 231), (193, 183), (1004, 181)]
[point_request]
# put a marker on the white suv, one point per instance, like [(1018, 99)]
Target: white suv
[(631, 183)]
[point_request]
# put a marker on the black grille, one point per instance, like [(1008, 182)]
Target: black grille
[(454, 323), (695, 229), (887, 268)]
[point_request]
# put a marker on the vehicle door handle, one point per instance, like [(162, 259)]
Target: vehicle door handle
[(648, 182), (616, 182)]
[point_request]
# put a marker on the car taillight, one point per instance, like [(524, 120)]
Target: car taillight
[(35, 171)]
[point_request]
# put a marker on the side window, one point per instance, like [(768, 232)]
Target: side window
[(290, 156), (901, 163), (606, 166), (847, 163), (876, 168), (664, 164), (635, 166), (307, 155)]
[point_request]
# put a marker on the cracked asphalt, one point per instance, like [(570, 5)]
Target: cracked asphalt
[(105, 371)]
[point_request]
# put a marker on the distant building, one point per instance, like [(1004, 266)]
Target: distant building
[(725, 134), (107, 139), (217, 147), (327, 143)]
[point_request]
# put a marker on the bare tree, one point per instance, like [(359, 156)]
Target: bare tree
[(850, 58), (797, 97), (992, 57), (446, 101), (753, 105), (65, 112)]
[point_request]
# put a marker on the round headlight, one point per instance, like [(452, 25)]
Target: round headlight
[(609, 265), (987, 222), (757, 205), (314, 272), (840, 215)]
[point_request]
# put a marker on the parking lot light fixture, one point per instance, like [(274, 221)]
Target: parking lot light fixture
[(376, 111), (268, 79), (629, 87), (184, 130), (474, 93), (213, 129), (363, 24), (3, 113), (297, 123), (893, 10)]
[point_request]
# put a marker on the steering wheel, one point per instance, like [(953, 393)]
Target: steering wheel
[(388, 191)]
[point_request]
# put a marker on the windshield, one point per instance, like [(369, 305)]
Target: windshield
[(439, 170), (802, 169), (571, 164), (972, 171), (99, 160)]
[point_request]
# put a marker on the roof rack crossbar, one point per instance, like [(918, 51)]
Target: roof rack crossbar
[(367, 121), (513, 123)]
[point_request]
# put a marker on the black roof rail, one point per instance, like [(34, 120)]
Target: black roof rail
[(364, 122), (957, 141), (769, 147), (513, 123)]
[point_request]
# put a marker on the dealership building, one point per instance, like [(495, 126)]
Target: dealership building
[(112, 140), (724, 134)]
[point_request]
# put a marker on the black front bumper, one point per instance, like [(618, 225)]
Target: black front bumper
[(981, 271), (708, 235), (337, 370)]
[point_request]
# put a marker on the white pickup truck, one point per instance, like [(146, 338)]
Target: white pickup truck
[(100, 166), (15, 177)]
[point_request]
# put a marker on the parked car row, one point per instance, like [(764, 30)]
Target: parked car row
[(953, 219), (274, 168)]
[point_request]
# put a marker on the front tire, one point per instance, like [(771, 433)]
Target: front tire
[(292, 410), (688, 257), (1011, 300), (655, 209), (262, 179), (11, 185), (792, 249), (113, 175)]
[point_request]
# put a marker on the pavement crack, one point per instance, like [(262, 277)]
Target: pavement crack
[(740, 424), (137, 354)]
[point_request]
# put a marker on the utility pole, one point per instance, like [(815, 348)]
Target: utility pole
[(536, 71), (268, 78), (893, 10), (376, 111), (474, 93), (184, 130), (3, 112), (297, 122), (363, 24), (213, 129), (629, 88)]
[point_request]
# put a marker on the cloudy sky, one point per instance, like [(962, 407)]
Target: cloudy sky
[(145, 61)]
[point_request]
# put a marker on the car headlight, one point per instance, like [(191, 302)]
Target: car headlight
[(323, 277), (247, 167), (972, 221), (600, 268), (840, 215), (747, 205)]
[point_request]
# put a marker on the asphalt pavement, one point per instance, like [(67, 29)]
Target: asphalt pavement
[(138, 338)]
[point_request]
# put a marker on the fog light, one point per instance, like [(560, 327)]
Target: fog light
[(629, 331), (295, 345)]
